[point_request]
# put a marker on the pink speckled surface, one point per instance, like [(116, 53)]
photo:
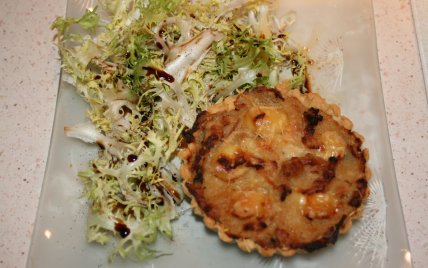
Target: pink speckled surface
[(406, 105), (29, 75)]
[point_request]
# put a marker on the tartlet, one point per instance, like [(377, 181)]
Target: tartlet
[(275, 171)]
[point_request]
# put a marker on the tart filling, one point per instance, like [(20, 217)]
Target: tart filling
[(276, 171)]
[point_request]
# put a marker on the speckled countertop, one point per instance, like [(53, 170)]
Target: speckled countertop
[(29, 82)]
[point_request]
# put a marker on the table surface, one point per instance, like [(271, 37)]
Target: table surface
[(30, 73)]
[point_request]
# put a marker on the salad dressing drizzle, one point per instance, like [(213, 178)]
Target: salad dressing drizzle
[(159, 74)]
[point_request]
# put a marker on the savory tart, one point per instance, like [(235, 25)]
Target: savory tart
[(275, 170)]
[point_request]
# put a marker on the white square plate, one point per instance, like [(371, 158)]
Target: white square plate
[(342, 40)]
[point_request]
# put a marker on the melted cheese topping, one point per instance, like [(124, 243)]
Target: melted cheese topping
[(321, 205), (334, 145), (280, 140), (249, 203), (299, 200), (292, 146), (266, 120), (318, 205), (228, 154), (259, 148)]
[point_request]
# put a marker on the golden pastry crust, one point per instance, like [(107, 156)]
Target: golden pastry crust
[(275, 171)]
